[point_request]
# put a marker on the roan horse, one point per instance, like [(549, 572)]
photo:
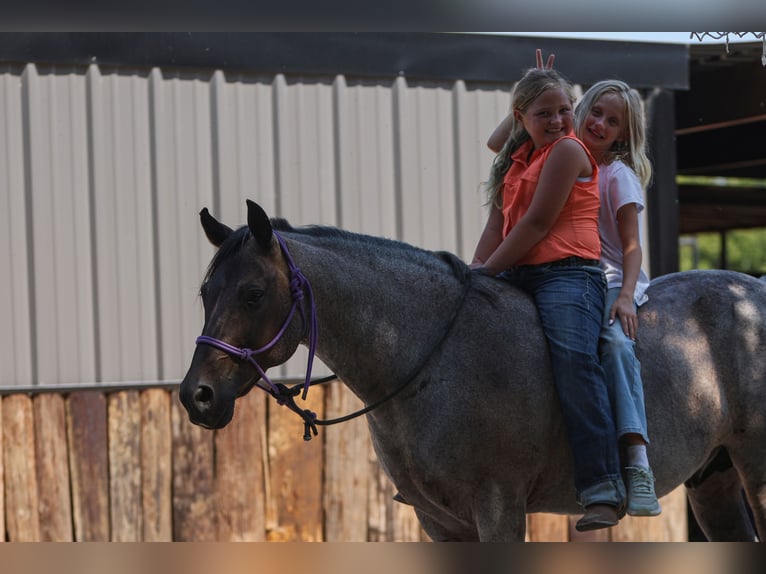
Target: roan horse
[(453, 365)]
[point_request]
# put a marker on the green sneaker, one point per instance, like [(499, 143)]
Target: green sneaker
[(641, 498)]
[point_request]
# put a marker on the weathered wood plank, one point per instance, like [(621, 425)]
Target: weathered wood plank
[(89, 465), (2, 474), (52, 457), (124, 412), (294, 475), (172, 480), (662, 528), (405, 524), (156, 466), (348, 473), (21, 499), (602, 535), (194, 517), (547, 528), (388, 520), (239, 473), (676, 520), (379, 505)]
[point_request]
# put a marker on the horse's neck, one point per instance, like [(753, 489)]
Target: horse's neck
[(380, 313)]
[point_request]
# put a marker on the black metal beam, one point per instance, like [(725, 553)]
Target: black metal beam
[(436, 56), (662, 200), (727, 151), (705, 208), (732, 87)]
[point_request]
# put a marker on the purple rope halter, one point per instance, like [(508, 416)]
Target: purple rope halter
[(299, 285)]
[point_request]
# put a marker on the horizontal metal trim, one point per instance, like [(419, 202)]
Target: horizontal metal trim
[(491, 58)]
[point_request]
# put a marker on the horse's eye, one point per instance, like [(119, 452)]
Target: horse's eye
[(253, 295)]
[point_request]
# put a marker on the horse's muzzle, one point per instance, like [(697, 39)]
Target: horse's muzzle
[(205, 406)]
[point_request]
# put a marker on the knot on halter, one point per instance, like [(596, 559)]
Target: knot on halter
[(296, 286), (246, 354), (285, 396)]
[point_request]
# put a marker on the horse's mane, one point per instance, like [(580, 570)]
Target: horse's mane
[(237, 239)]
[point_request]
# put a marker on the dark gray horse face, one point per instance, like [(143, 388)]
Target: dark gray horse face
[(246, 297)]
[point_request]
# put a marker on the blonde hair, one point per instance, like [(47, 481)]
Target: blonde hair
[(632, 151), (534, 82)]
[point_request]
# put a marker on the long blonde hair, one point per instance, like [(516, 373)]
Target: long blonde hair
[(632, 151), (534, 82)]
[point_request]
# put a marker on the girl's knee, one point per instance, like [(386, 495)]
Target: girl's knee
[(616, 346)]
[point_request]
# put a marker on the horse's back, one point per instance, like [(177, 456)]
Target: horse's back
[(710, 319), (700, 343)]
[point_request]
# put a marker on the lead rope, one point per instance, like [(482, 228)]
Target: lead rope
[(298, 284), (284, 395), (310, 421)]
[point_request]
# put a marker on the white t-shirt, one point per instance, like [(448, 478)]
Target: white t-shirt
[(618, 186)]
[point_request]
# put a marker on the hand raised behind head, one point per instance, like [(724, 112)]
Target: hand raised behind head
[(539, 60)]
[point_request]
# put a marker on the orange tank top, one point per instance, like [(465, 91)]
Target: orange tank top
[(575, 232)]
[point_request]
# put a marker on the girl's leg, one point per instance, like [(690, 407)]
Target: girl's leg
[(623, 377), (570, 302)]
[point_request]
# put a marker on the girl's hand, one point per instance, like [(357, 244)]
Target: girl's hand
[(624, 308), (539, 60)]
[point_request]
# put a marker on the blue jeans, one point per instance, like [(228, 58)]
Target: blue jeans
[(623, 374), (570, 302)]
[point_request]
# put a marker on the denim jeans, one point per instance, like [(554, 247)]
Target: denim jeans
[(623, 374), (570, 302)]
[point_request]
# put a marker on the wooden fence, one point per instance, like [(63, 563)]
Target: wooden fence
[(127, 465)]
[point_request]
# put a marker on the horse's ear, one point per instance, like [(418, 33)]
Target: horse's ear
[(259, 224), (216, 232)]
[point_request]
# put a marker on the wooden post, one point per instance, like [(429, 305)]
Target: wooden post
[(294, 474), (347, 470), (2, 474), (125, 466), (156, 466), (89, 465), (193, 478), (21, 500), (239, 474), (544, 527), (52, 457)]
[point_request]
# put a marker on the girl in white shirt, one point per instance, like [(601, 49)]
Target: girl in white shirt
[(609, 119)]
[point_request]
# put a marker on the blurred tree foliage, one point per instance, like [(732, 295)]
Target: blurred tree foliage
[(745, 248), (745, 251)]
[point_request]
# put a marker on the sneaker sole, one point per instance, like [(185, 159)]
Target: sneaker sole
[(644, 511)]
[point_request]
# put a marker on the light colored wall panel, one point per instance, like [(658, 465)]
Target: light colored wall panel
[(305, 165), (62, 235), (16, 366), (121, 161), (183, 165), (478, 113), (365, 144), (124, 241), (244, 136), (427, 185), (306, 152)]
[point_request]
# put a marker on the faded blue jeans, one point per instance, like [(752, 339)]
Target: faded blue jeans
[(623, 374), (570, 302)]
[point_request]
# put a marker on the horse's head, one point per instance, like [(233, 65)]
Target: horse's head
[(250, 324)]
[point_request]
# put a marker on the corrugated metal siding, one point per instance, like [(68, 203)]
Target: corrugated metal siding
[(104, 172)]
